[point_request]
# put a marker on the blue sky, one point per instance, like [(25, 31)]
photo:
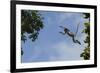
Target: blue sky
[(53, 46)]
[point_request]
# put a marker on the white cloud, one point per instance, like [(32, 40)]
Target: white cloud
[(66, 52), (56, 52), (64, 16)]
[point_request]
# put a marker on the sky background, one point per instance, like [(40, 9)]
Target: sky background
[(53, 46)]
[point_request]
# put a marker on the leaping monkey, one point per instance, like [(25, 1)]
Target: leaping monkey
[(71, 34)]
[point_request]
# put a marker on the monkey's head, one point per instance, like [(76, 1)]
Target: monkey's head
[(65, 29)]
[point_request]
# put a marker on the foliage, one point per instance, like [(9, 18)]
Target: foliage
[(86, 52), (31, 24), (86, 15)]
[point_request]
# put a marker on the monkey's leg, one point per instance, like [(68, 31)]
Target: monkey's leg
[(78, 42), (73, 39)]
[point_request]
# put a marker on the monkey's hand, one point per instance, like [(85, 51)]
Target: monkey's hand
[(61, 26)]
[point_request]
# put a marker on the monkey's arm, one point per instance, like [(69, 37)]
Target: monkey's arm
[(64, 28), (62, 33)]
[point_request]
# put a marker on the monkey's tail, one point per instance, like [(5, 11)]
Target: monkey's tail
[(77, 29)]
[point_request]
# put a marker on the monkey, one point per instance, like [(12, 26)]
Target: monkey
[(71, 34), (21, 51)]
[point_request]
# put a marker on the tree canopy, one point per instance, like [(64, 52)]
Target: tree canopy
[(86, 52), (31, 24)]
